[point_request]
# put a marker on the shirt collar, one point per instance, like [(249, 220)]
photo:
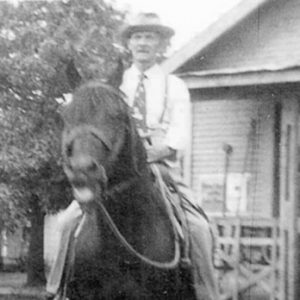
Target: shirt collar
[(153, 71)]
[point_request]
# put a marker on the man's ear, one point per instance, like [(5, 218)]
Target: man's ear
[(73, 75), (115, 79)]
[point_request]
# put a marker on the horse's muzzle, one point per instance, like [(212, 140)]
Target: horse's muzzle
[(88, 183)]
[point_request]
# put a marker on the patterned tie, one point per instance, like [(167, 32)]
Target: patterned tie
[(139, 105)]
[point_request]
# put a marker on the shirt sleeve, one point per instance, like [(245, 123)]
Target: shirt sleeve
[(178, 134)]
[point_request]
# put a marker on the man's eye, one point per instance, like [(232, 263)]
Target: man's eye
[(150, 36), (136, 36)]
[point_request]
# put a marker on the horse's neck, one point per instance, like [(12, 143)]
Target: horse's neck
[(138, 210), (135, 175), (131, 165), (141, 216)]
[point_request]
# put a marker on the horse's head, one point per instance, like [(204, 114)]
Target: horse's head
[(98, 140)]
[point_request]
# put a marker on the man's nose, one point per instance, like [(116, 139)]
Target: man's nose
[(142, 41)]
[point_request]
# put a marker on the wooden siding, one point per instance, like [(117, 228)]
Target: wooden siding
[(226, 119), (268, 39)]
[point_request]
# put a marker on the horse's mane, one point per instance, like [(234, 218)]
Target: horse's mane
[(96, 98)]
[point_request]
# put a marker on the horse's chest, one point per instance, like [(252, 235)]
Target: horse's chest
[(89, 241)]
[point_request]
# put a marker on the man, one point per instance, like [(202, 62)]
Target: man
[(161, 106)]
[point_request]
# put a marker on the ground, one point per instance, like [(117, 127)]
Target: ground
[(12, 287)]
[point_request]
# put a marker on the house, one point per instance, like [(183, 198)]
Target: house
[(13, 250), (243, 74)]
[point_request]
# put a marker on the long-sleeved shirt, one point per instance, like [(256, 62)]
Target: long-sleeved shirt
[(175, 126)]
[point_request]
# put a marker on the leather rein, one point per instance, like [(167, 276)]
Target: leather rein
[(161, 265)]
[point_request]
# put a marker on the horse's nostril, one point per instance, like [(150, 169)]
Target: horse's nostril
[(78, 183)]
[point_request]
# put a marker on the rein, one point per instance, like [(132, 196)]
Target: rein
[(161, 265)]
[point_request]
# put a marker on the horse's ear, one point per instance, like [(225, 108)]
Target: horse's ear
[(115, 79), (73, 75)]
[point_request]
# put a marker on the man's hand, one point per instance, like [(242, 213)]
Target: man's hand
[(157, 153)]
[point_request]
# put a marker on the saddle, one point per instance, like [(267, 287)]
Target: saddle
[(173, 200)]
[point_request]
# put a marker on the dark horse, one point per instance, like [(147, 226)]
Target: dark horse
[(105, 161)]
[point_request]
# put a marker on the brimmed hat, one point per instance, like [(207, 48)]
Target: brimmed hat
[(147, 22)]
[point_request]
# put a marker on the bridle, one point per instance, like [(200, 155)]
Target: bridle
[(113, 191), (85, 128)]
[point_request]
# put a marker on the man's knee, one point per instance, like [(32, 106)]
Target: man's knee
[(200, 231), (198, 222)]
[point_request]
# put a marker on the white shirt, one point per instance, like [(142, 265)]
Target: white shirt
[(175, 128)]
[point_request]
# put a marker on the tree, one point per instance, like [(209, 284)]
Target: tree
[(37, 40)]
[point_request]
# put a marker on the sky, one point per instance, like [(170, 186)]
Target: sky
[(186, 17)]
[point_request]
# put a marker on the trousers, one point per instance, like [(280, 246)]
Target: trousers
[(201, 247)]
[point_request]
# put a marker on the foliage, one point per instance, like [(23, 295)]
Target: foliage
[(37, 40)]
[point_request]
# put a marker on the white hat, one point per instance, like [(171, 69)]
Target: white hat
[(147, 22)]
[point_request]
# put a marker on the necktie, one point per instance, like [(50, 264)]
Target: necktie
[(139, 105)]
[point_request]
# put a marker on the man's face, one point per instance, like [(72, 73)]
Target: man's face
[(144, 46)]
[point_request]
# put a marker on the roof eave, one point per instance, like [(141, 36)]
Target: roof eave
[(207, 37), (196, 81)]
